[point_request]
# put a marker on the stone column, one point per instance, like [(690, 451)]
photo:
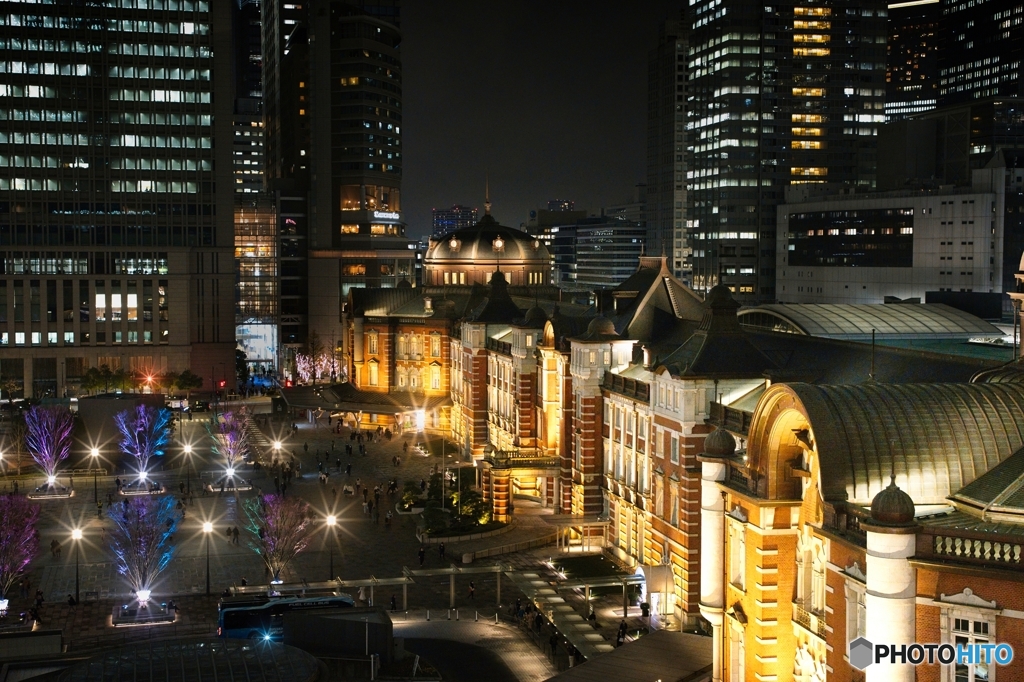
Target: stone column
[(712, 556), (891, 596)]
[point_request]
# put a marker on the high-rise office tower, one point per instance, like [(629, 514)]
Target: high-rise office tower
[(333, 110), (115, 191), (248, 115), (666, 148), (561, 205), (912, 66), (447, 220), (983, 50), (780, 93)]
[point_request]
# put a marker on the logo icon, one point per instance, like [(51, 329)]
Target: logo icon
[(862, 653)]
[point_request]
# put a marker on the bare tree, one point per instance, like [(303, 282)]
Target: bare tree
[(145, 431), (230, 439), (15, 442), (19, 539), (49, 437), (141, 539), (280, 529)]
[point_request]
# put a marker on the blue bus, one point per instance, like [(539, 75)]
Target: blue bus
[(261, 617)]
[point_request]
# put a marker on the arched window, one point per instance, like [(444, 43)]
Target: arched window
[(372, 373), (371, 342), (435, 377), (402, 377), (435, 345)]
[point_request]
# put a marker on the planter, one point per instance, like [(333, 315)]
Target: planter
[(438, 539), (412, 510)]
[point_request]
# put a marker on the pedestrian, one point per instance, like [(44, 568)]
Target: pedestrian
[(72, 601), (365, 509), (394, 603), (230, 535), (99, 510), (305, 447), (440, 550), (337, 463), (369, 506), (58, 549), (235, 534), (348, 469), (472, 590), (387, 520), (181, 487), (423, 555)]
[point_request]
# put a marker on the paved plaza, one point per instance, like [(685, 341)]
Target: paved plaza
[(361, 549)]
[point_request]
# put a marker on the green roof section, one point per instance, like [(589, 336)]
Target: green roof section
[(855, 322)]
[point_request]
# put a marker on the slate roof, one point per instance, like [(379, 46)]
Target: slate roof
[(1000, 490)]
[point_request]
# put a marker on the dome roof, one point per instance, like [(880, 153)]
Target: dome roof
[(479, 244), (535, 317), (892, 506), (719, 443), (601, 325)]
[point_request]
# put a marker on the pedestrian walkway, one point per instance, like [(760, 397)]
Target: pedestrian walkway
[(516, 650)]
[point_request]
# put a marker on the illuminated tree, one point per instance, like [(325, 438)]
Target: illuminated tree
[(19, 539), (280, 529), (141, 539), (230, 439), (145, 431), (48, 436)]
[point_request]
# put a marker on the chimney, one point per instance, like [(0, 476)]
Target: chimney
[(428, 304)]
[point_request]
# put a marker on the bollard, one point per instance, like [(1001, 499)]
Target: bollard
[(456, 614), (428, 614), (476, 616), (449, 614), (495, 617)]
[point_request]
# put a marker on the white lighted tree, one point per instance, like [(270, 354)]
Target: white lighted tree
[(145, 432), (141, 539)]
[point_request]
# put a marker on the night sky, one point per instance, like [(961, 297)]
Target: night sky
[(548, 98)]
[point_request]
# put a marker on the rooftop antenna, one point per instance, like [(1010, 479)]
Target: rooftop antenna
[(871, 375)]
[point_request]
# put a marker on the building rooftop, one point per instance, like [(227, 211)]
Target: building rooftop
[(936, 438), (855, 322)]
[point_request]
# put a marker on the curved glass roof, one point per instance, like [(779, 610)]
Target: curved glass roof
[(855, 321), (197, 660)]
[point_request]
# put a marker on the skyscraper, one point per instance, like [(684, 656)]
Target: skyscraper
[(912, 67), (782, 93), (982, 50), (333, 103), (666, 147), (446, 220), (116, 228)]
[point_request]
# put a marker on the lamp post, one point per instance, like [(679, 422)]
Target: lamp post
[(207, 529), (76, 536), (95, 463), (332, 520), (188, 471)]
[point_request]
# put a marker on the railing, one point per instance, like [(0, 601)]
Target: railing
[(730, 418), (497, 346), (977, 548), (845, 520), (631, 388), (809, 621), (525, 457)]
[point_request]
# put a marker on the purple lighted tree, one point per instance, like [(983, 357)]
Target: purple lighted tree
[(19, 539), (48, 437), (230, 440), (280, 529), (141, 539), (145, 431)]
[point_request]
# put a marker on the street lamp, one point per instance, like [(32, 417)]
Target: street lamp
[(188, 471), (332, 520), (207, 529), (95, 453), (76, 535)]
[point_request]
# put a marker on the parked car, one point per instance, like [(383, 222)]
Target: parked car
[(177, 404), (200, 405)]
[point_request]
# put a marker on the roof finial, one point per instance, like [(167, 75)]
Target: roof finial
[(487, 195)]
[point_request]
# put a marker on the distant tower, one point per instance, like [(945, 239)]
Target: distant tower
[(487, 196)]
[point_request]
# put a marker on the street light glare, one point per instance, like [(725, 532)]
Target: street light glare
[(332, 519), (277, 445), (207, 527), (95, 452), (231, 471), (76, 534), (188, 449)]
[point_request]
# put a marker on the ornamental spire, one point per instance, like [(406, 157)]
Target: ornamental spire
[(487, 195)]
